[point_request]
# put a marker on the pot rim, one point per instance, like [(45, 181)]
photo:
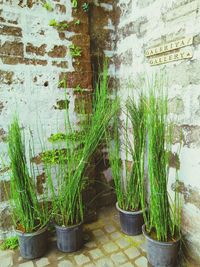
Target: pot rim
[(40, 231), (169, 243), (68, 227), (128, 212)]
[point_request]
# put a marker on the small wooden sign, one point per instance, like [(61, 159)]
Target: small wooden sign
[(170, 57), (169, 46)]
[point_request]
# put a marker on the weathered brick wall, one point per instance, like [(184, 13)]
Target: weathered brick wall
[(34, 58), (149, 23)]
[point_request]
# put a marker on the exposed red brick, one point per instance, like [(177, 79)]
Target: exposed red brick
[(61, 8), (10, 30), (6, 77), (84, 79), (2, 135), (4, 190), (39, 51), (30, 3), (12, 48), (85, 54), (17, 60), (79, 13), (82, 65), (62, 35), (58, 51), (81, 39), (33, 61), (62, 64), (83, 27), (10, 60), (40, 183), (62, 104), (83, 104)]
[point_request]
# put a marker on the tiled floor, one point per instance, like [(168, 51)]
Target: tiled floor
[(105, 246)]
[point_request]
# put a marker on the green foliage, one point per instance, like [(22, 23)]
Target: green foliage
[(77, 22), (71, 172), (74, 4), (63, 83), (85, 7), (78, 89), (53, 23), (75, 51), (48, 6), (76, 135), (129, 189), (164, 217), (10, 243), (53, 156), (61, 26), (28, 213), (137, 115), (57, 137)]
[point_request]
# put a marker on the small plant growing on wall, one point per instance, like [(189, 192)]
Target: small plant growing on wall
[(78, 89), (77, 22), (53, 156), (85, 7), (61, 26), (74, 4), (58, 137), (48, 6), (75, 51), (63, 83)]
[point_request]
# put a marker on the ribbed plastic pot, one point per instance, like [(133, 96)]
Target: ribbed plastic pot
[(131, 222), (161, 254), (33, 245), (69, 239)]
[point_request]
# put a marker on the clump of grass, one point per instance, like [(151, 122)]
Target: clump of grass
[(28, 213), (10, 243), (71, 177), (130, 189), (164, 217)]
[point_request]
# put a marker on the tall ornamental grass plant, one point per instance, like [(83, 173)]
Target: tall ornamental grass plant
[(163, 221), (29, 214), (130, 189), (71, 179)]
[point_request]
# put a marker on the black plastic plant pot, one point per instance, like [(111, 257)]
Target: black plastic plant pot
[(33, 245), (131, 222), (161, 254), (69, 239)]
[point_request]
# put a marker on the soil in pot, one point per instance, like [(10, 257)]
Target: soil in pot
[(33, 245), (69, 239), (161, 254), (131, 222)]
